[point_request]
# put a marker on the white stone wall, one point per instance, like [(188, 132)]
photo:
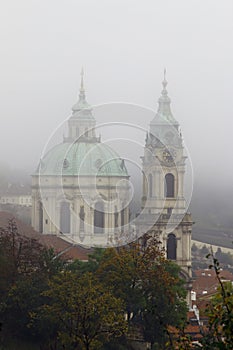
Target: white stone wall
[(24, 200), (79, 191)]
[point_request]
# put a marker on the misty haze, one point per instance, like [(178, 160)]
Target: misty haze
[(116, 128)]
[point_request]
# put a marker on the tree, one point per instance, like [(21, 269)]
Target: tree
[(91, 265), (20, 255), (120, 270), (166, 305), (220, 313), (25, 269), (19, 260), (84, 305), (85, 312), (149, 285)]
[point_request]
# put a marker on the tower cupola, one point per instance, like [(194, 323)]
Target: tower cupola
[(82, 123)]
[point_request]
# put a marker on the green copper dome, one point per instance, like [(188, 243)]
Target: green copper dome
[(82, 158)]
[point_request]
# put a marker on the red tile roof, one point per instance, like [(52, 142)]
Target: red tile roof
[(195, 332), (225, 274), (191, 314), (205, 282), (66, 249)]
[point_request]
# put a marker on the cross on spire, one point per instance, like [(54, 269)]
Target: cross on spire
[(164, 82), (164, 74), (82, 83), (82, 103), (164, 101), (82, 95)]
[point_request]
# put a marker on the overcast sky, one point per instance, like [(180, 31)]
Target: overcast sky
[(124, 46)]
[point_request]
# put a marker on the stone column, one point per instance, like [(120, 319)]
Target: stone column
[(180, 192)]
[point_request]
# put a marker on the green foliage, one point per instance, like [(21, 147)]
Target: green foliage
[(87, 305), (86, 313), (120, 270), (220, 313), (91, 265), (25, 270), (166, 305), (150, 286), (19, 255)]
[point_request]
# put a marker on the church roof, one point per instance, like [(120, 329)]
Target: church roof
[(61, 247), (82, 155), (82, 158)]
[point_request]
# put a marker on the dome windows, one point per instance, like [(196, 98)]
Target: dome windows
[(65, 164)]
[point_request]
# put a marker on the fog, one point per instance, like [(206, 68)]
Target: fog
[(124, 46)]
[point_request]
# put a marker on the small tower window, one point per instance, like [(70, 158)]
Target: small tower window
[(82, 218), (150, 184), (171, 247), (169, 186)]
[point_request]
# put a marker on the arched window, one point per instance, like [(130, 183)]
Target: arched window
[(82, 218), (116, 214), (99, 217), (41, 219), (171, 247), (65, 217), (169, 185), (150, 184)]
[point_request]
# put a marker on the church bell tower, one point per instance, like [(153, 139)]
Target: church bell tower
[(164, 214)]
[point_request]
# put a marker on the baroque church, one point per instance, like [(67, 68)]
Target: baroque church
[(80, 189)]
